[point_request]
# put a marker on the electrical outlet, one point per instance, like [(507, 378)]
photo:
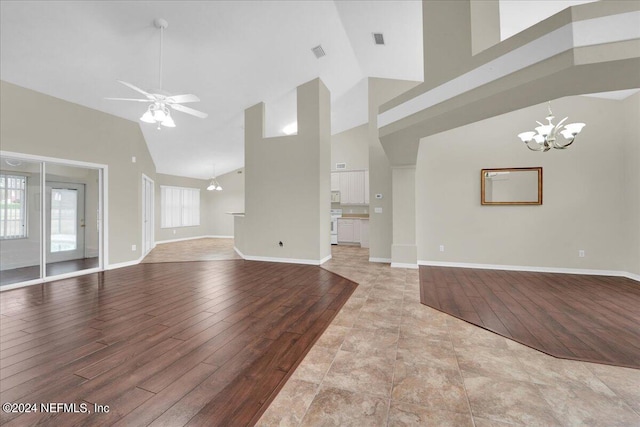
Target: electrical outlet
[(377, 210), (133, 247), (441, 248), (581, 253), (174, 231), (133, 159)]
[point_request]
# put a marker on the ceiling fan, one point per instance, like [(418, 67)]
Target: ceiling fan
[(158, 111)]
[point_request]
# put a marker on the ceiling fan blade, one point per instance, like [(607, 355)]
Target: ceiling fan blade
[(137, 89), (182, 99), (188, 110), (129, 99)]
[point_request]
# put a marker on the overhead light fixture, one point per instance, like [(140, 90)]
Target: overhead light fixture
[(214, 184), (290, 129), (545, 136)]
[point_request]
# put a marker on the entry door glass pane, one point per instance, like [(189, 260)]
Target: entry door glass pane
[(64, 220)]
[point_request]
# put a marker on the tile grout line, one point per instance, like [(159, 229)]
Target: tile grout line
[(395, 361)]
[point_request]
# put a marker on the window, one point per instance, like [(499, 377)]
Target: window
[(13, 206), (180, 206)]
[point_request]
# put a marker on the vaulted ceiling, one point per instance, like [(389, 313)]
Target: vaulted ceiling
[(231, 54)]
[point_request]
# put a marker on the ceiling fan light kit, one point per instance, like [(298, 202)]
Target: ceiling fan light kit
[(158, 112)]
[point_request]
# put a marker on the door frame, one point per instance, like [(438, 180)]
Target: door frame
[(144, 251), (81, 222), (103, 219)]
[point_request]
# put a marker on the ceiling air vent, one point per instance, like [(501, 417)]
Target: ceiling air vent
[(378, 38), (341, 166), (318, 51)]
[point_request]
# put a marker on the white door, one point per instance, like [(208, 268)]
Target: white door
[(147, 215), (65, 221)]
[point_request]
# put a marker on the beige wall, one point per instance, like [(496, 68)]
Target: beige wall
[(230, 199), (589, 202), (631, 156), (380, 224), (69, 131), (287, 193), (351, 147)]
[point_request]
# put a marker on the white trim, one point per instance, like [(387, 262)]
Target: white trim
[(103, 208), (589, 272), (605, 29), (124, 264), (325, 259), (382, 260), (103, 191), (153, 214), (162, 242), (238, 252), (403, 265), (52, 159), (631, 276), (283, 260)]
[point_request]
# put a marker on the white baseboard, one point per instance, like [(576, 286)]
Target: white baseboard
[(403, 265), (382, 260), (283, 260), (589, 272), (124, 264), (238, 252), (161, 242)]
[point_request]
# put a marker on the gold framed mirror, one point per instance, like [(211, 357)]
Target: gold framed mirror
[(511, 186)]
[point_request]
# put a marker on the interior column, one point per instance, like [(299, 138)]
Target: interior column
[(404, 252)]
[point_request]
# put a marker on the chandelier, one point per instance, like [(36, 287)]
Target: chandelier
[(546, 136), (214, 184)]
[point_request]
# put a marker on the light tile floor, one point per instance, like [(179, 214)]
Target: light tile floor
[(205, 249), (387, 360)]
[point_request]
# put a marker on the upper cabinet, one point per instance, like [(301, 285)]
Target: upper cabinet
[(353, 187), (335, 181)]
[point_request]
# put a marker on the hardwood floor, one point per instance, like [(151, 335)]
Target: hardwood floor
[(200, 343), (588, 318)]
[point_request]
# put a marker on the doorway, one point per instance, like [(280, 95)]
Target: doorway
[(52, 219), (65, 221), (148, 197)]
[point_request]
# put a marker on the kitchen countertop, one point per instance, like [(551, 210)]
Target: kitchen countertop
[(354, 216)]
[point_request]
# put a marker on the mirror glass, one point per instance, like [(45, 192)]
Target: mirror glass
[(511, 186)]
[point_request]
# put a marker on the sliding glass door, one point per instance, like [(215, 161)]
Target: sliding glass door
[(20, 214), (49, 226)]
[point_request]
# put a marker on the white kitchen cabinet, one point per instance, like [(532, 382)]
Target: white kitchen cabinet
[(364, 233), (353, 187), (345, 188), (345, 230), (356, 187), (350, 230), (335, 181), (356, 231)]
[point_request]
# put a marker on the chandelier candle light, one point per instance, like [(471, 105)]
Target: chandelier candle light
[(545, 138)]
